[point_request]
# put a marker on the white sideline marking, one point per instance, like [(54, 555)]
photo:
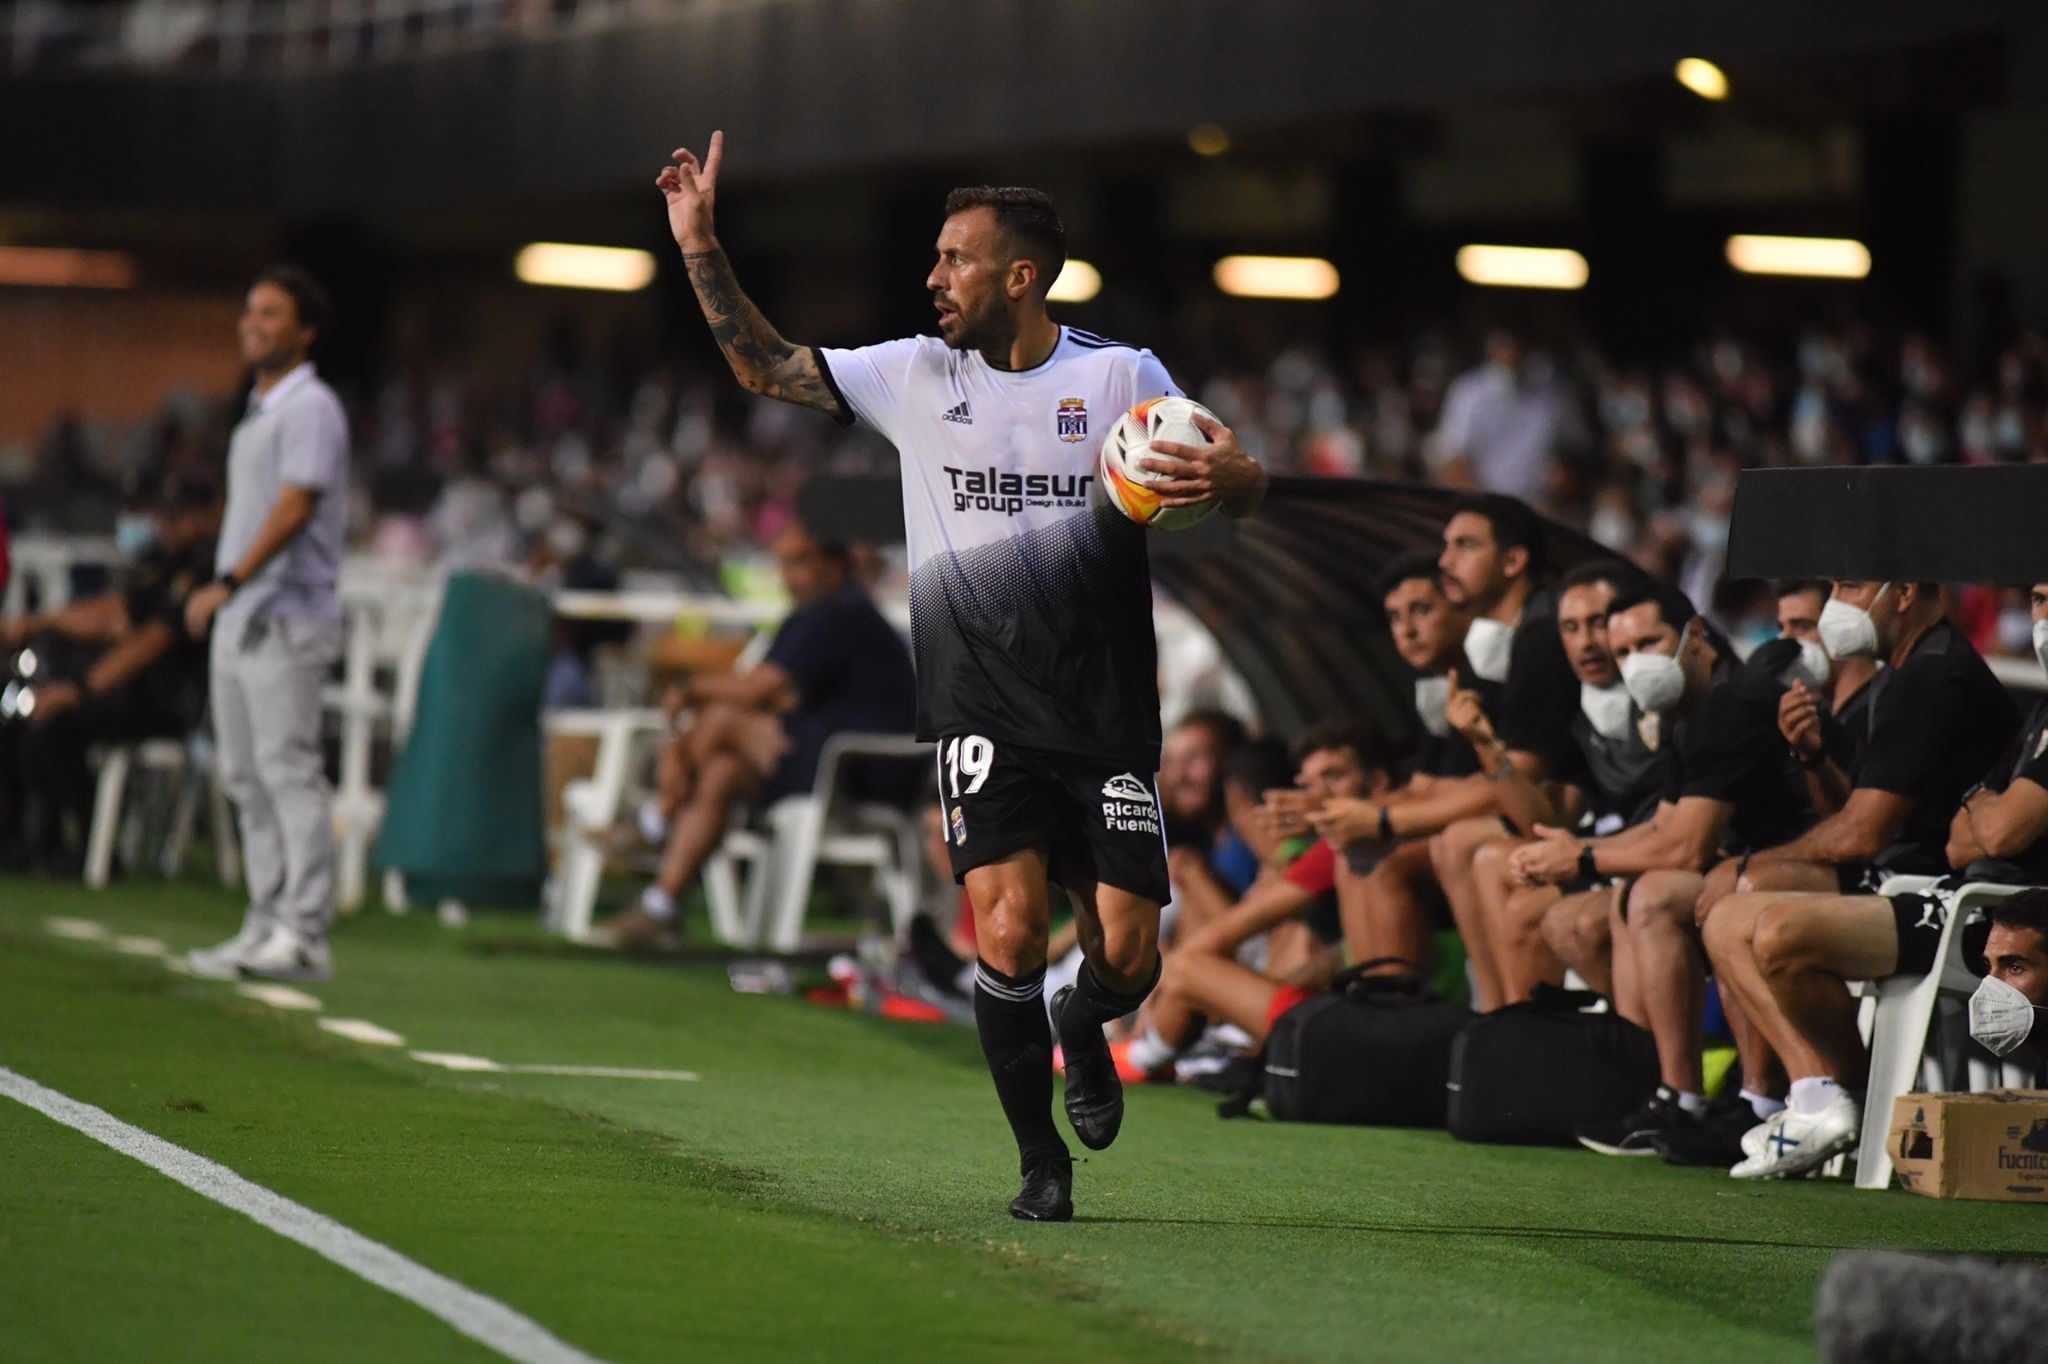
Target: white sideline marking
[(140, 947), (280, 997), (449, 1060), (362, 1030), (607, 1072), (482, 1319), (81, 930)]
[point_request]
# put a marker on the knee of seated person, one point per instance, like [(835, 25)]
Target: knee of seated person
[(1730, 923), (1658, 896), (1783, 937)]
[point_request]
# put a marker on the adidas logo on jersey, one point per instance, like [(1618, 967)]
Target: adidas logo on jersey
[(959, 414), (1127, 806)]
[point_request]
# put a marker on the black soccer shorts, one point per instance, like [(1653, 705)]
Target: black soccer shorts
[(1094, 822)]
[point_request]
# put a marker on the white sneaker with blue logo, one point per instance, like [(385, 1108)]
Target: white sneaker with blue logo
[(1791, 1144)]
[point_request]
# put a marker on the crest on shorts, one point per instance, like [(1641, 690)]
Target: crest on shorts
[(1073, 419), (1127, 787), (959, 827)]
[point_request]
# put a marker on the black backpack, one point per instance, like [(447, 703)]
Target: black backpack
[(1534, 1073), (1370, 1049)]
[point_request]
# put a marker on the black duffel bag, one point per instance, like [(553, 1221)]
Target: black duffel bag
[(1370, 1049), (1534, 1073)]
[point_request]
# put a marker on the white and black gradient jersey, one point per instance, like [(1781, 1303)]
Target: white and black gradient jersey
[(1030, 595)]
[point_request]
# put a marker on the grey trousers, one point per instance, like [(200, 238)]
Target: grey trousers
[(266, 682)]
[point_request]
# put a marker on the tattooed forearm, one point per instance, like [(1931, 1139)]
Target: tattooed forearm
[(763, 362)]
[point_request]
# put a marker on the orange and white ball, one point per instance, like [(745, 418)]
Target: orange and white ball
[(1129, 483)]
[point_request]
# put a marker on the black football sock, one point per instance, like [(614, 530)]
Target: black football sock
[(1093, 1004), (1009, 1013)]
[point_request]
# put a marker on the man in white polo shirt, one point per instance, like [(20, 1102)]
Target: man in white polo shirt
[(276, 620)]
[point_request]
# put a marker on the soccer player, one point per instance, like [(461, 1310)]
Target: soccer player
[(1031, 620)]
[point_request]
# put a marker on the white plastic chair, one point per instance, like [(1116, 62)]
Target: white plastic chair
[(184, 759), (802, 833), (1899, 1022), (394, 627), (590, 807)]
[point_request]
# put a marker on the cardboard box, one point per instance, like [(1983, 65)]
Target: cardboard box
[(1992, 1145)]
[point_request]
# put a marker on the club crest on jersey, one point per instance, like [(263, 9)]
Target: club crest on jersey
[(1127, 806), (1073, 419)]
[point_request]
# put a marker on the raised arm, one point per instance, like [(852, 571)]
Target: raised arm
[(761, 359)]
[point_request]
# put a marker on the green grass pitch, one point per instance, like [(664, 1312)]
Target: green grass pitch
[(833, 1186)]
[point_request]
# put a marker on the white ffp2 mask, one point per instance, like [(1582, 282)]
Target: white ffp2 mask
[(1432, 695), (1655, 682), (1489, 646), (2001, 1017), (1846, 630), (1606, 709)]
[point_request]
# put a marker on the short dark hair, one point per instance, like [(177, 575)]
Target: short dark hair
[(1787, 587), (1225, 728), (1355, 735), (1027, 219), (1514, 525), (1407, 569), (1674, 609), (1259, 765), (2027, 909), (307, 296), (1613, 572)]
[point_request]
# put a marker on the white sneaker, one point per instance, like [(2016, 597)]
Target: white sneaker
[(285, 955), (223, 961), (1796, 1143)]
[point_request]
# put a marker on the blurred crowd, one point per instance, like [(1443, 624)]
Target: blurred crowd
[(670, 470)]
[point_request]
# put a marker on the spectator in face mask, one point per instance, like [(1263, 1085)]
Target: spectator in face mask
[(1728, 784), (2009, 1012), (1614, 782), (145, 677), (1798, 951), (1825, 712), (1511, 699)]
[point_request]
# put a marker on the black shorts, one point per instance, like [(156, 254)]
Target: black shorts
[(1920, 917), (1094, 822)]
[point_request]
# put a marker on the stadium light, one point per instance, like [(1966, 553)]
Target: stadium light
[(562, 266), (62, 267), (1703, 78), (1523, 267), (1276, 276), (1208, 139), (1077, 283), (1811, 257)]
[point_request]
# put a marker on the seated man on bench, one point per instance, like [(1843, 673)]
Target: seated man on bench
[(1790, 956), (836, 666)]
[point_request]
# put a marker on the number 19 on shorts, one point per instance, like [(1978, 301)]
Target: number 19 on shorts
[(971, 757)]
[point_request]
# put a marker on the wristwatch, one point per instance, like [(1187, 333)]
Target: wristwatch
[(1589, 869), (231, 580), (1386, 825)]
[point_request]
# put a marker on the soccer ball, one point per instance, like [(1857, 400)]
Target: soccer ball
[(1129, 483)]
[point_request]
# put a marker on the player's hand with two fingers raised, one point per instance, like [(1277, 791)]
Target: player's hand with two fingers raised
[(1220, 471), (690, 189)]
